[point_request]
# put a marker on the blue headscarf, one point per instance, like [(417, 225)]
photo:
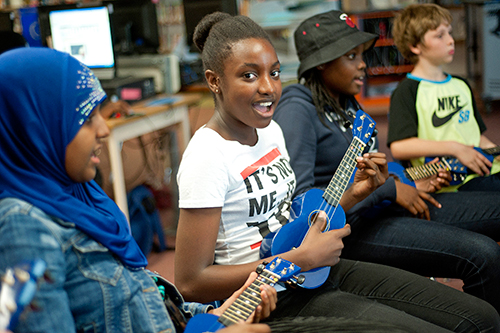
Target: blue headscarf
[(45, 97)]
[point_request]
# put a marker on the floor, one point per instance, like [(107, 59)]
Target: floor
[(163, 262)]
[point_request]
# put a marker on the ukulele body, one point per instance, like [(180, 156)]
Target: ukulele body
[(304, 207), (204, 322)]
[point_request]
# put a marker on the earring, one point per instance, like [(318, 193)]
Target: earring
[(216, 91)]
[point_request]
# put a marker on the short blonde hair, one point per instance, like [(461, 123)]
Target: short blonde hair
[(411, 24)]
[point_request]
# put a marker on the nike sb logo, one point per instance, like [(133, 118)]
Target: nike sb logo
[(444, 104), (437, 121)]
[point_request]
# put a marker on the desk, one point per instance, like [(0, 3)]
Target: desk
[(151, 117)]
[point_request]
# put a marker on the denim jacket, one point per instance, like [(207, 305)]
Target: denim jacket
[(90, 290)]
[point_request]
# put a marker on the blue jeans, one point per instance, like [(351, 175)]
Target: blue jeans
[(378, 293), (458, 242), (92, 291)]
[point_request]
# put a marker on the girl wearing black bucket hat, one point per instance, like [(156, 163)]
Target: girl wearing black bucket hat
[(393, 226)]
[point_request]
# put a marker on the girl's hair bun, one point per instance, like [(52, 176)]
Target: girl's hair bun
[(203, 28)]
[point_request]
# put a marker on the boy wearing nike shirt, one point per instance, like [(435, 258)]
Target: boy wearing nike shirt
[(433, 113)]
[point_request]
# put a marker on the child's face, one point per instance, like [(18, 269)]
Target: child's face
[(81, 152), (345, 75), (438, 46), (251, 85)]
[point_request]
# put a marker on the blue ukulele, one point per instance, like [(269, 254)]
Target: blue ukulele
[(408, 176), (278, 270), (19, 285), (458, 171), (306, 206)]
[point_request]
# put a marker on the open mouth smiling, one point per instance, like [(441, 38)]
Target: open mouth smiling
[(263, 106)]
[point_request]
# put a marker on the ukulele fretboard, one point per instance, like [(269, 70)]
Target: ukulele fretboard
[(248, 301), (426, 170), (492, 151), (338, 184)]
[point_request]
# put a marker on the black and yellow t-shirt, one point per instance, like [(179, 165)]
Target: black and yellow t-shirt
[(434, 110)]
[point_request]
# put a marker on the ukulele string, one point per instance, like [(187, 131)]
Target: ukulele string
[(329, 209)]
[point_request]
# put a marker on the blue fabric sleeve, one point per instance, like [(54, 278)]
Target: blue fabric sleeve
[(377, 200), (196, 308)]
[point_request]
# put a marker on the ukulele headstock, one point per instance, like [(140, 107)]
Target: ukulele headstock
[(19, 285), (284, 270), (363, 126)]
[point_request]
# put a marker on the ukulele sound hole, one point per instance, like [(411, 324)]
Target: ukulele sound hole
[(312, 219)]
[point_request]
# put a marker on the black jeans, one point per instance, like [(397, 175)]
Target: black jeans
[(460, 241), (490, 183), (379, 293)]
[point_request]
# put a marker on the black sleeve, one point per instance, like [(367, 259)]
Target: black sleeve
[(403, 122)]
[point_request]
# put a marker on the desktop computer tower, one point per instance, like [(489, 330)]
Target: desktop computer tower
[(129, 89)]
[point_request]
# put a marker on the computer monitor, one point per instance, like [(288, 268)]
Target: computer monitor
[(135, 27), (85, 33), (195, 10)]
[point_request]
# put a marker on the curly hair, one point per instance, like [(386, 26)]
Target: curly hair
[(216, 33), (411, 24)]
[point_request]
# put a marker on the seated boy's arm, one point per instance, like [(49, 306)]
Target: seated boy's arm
[(414, 148)]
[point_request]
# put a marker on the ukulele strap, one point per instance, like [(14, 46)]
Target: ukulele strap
[(176, 315)]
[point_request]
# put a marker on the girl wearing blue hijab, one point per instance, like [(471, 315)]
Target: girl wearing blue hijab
[(43, 107)]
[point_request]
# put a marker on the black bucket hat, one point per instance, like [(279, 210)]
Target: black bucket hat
[(327, 36)]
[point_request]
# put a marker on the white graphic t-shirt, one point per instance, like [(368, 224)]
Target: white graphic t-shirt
[(252, 184)]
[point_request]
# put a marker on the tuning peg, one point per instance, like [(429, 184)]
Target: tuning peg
[(8, 278), (261, 267), (21, 275), (300, 279), (10, 305), (295, 280)]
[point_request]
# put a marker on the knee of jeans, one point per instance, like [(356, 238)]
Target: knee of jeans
[(485, 319), (488, 251)]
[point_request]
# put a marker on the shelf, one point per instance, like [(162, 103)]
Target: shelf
[(386, 67), (386, 70), (384, 42), (375, 106)]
